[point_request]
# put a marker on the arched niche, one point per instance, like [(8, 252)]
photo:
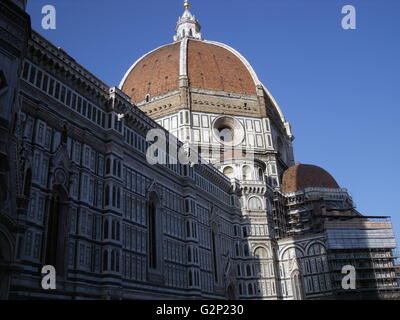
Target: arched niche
[(154, 235), (56, 240)]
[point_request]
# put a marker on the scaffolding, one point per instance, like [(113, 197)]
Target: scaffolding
[(279, 215), (368, 244)]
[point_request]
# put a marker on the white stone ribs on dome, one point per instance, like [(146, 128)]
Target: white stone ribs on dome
[(253, 74), (275, 104), (183, 58), (241, 58), (183, 70)]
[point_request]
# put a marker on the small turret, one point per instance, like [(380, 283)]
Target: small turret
[(188, 26)]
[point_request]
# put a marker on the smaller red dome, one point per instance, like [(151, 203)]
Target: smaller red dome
[(302, 176)]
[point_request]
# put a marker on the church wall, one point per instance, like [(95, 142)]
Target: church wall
[(14, 32), (56, 138), (84, 199), (303, 268)]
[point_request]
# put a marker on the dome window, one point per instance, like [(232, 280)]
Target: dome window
[(225, 134), (228, 171), (228, 131)]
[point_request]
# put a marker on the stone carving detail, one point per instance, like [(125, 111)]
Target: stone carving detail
[(223, 105), (60, 177), (156, 109)]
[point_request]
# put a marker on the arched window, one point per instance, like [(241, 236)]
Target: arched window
[(56, 230), (188, 229), (260, 175), (113, 260), (114, 196), (105, 260), (27, 183), (105, 229), (118, 198), (244, 231), (246, 173), (250, 289), (246, 250), (231, 292), (113, 229), (152, 235), (190, 278), (296, 285), (261, 253), (214, 251), (248, 270), (108, 166), (115, 167), (107, 196), (117, 262), (316, 249), (118, 231), (228, 171), (255, 203), (119, 169), (292, 253)]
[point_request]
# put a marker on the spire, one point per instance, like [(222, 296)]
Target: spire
[(187, 26)]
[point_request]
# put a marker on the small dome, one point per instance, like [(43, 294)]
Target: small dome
[(302, 176)]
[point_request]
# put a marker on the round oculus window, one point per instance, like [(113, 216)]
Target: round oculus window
[(228, 131)]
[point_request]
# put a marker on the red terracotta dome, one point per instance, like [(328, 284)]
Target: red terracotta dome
[(207, 65), (214, 67), (154, 74), (303, 176)]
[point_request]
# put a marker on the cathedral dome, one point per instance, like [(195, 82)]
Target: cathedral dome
[(303, 176), (189, 61), (199, 75), (207, 65)]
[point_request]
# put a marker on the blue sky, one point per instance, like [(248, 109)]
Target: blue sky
[(340, 89)]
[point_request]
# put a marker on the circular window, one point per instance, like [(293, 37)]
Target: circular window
[(228, 171), (228, 131)]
